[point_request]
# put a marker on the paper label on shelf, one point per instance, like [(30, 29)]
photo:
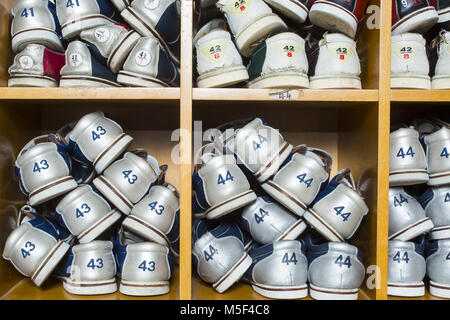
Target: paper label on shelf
[(284, 94), (215, 51), (406, 53), (238, 6), (289, 50), (341, 52)]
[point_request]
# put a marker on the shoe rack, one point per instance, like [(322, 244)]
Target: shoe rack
[(352, 125)]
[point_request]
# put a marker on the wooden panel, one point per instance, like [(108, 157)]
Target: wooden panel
[(358, 134), (5, 40), (421, 95), (186, 148)]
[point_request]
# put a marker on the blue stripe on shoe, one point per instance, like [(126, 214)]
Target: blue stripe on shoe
[(99, 70)]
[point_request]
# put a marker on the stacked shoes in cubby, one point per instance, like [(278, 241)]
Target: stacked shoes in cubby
[(419, 204), (420, 49), (255, 195), (95, 210), (93, 43), (258, 44)]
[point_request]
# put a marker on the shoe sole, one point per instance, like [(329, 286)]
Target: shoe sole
[(145, 230), (292, 9), (440, 82), (86, 81), (49, 263), (113, 195), (99, 227), (91, 288), (280, 80), (52, 190), (132, 79), (47, 37), (140, 289), (32, 81), (319, 293), (274, 164), (335, 82), (407, 178), (413, 289), (73, 28), (121, 50), (320, 225), (438, 179), (414, 230), (285, 198), (279, 292), (439, 290), (410, 81), (223, 77), (333, 17), (294, 231), (439, 233), (419, 21), (231, 205), (234, 274), (139, 24), (253, 34), (114, 150)]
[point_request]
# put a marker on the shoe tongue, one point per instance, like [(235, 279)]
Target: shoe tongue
[(345, 177), (425, 127), (314, 156), (207, 157), (130, 238)]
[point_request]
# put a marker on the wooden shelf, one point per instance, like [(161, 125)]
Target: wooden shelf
[(243, 94), (53, 290), (89, 93), (399, 95)]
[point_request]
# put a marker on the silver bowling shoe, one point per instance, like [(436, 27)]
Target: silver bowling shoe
[(406, 269), (300, 179), (43, 169), (407, 218), (128, 179), (438, 267), (279, 270), (219, 254), (339, 209), (438, 156), (97, 140), (436, 203)]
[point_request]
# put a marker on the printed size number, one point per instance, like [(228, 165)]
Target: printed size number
[(240, 4), (83, 209), (398, 257), (340, 212), (228, 177), (27, 248), (445, 153), (98, 133), (398, 201), (257, 144), (342, 53), (448, 256), (132, 178), (401, 153), (147, 266), (215, 51), (302, 179), (27, 13), (209, 255), (287, 260), (154, 207), (290, 50), (98, 263), (341, 262), (42, 165), (72, 3), (447, 197), (406, 52), (260, 218)]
